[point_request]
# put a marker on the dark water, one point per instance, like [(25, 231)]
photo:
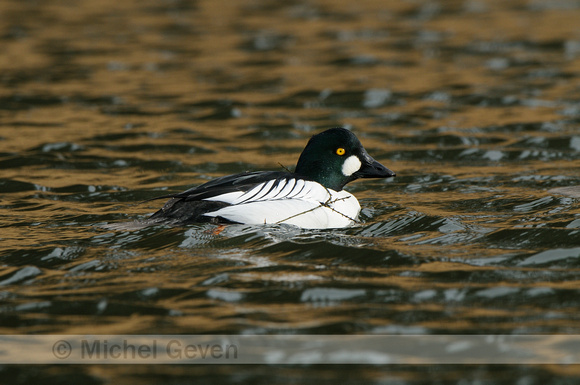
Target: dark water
[(475, 105)]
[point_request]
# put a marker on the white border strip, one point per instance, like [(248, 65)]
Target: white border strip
[(289, 349)]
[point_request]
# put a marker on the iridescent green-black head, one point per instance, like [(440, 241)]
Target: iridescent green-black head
[(336, 157)]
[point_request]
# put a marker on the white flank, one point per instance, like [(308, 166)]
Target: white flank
[(351, 165), (301, 203)]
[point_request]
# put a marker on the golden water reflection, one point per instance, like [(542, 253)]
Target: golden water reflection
[(474, 104)]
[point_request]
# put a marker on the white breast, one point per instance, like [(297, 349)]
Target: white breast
[(297, 202)]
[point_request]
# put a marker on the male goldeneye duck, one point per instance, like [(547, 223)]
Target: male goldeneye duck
[(311, 197)]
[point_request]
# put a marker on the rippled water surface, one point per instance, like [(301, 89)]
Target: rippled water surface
[(475, 104)]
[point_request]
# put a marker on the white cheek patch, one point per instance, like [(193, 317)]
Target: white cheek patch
[(351, 165)]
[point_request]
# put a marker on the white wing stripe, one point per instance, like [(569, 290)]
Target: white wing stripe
[(249, 196), (297, 189), (280, 193), (273, 190), (230, 197), (289, 186), (306, 191), (277, 189), (263, 191)]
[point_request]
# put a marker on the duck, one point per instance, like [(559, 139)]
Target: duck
[(311, 197)]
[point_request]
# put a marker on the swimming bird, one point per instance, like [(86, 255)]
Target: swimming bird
[(311, 197)]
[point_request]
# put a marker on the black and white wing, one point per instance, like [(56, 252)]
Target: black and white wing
[(289, 200), (262, 198)]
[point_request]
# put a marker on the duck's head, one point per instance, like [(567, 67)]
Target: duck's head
[(336, 157)]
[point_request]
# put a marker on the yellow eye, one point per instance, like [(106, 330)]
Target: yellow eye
[(340, 151)]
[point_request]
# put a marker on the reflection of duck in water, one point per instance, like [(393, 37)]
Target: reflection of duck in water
[(311, 197)]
